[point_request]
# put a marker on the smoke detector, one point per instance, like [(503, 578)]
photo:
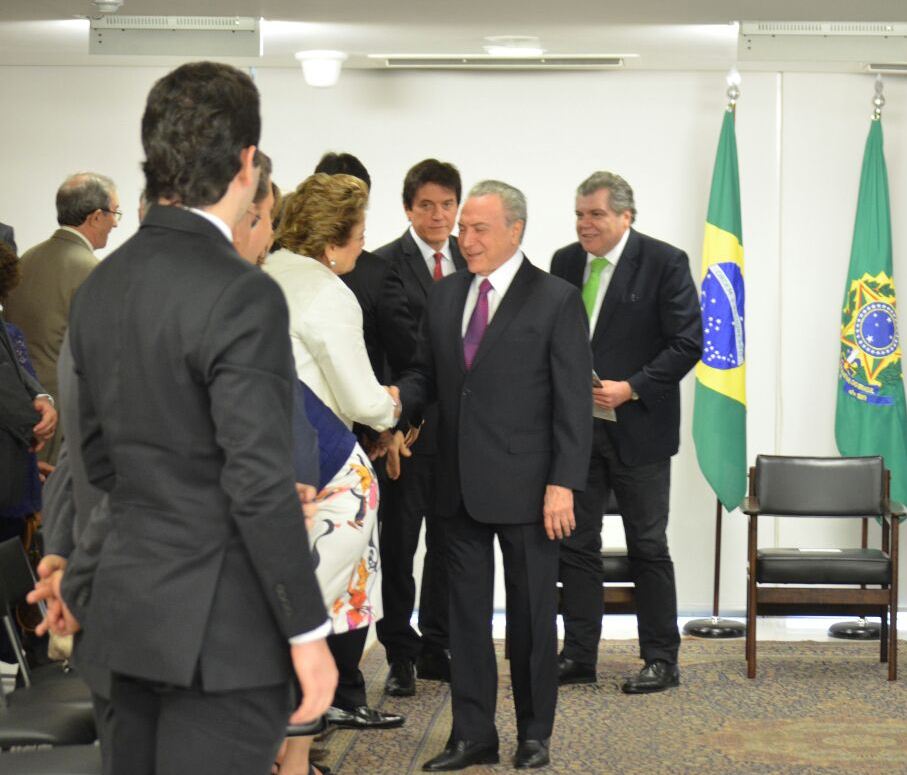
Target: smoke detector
[(108, 6)]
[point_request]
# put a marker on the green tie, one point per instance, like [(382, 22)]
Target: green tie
[(590, 288)]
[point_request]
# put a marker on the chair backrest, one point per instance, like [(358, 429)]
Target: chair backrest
[(821, 486)]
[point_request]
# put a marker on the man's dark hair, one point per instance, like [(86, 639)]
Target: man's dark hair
[(9, 271), (344, 164), (440, 173), (197, 120), (263, 162)]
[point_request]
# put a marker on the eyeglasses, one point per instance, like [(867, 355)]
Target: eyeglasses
[(117, 214), (256, 218)]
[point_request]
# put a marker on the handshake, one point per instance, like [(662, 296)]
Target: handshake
[(391, 445)]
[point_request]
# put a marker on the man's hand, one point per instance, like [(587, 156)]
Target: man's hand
[(317, 676), (44, 470), (412, 435), (394, 392), (58, 619), (307, 495), (558, 512), (47, 424), (397, 449), (612, 394), (50, 563), (376, 448)]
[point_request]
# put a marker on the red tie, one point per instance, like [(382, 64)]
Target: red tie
[(439, 274)]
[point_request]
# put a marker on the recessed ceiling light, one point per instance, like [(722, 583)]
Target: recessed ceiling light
[(513, 46)]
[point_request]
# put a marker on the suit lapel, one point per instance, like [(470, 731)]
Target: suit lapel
[(455, 333), (416, 262), (620, 280), (508, 309)]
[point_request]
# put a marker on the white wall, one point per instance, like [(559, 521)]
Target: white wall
[(800, 139)]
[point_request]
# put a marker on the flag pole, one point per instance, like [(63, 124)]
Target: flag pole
[(714, 626), (863, 629)]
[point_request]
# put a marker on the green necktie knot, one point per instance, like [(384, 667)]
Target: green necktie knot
[(590, 287)]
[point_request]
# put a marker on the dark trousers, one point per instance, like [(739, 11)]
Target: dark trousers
[(530, 577), (347, 649), (404, 504), (165, 730), (103, 720), (642, 493)]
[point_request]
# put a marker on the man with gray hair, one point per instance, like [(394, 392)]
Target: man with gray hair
[(88, 207), (643, 312), (504, 349)]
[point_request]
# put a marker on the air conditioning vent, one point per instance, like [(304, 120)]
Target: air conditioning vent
[(485, 62), (226, 36)]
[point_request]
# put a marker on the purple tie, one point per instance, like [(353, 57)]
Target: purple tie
[(478, 322)]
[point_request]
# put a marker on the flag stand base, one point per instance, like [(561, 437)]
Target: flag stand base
[(714, 627), (858, 630)]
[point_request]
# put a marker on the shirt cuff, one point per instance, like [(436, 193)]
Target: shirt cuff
[(319, 632)]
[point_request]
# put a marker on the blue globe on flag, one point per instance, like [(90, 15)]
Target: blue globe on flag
[(722, 303)]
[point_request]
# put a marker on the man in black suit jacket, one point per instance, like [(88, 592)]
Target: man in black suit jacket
[(646, 335), (504, 349), (424, 254), (185, 407)]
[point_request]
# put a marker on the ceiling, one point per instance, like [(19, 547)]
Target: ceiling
[(662, 34)]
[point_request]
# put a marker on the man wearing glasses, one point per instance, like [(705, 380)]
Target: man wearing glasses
[(88, 207)]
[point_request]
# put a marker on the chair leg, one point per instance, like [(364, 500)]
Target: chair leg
[(883, 635), (893, 605), (752, 600)]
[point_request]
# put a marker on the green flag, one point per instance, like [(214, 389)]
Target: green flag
[(871, 417), (719, 413)]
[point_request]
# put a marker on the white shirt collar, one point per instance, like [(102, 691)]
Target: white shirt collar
[(615, 253), (217, 222), (79, 234), (501, 277), (427, 251)]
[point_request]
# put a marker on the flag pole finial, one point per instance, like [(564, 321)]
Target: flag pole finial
[(733, 88), (878, 101)]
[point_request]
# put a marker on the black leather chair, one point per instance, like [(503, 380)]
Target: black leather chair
[(801, 581), (69, 760)]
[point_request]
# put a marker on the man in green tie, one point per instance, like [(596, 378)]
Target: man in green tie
[(644, 320)]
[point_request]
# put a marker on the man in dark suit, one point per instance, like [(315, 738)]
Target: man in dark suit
[(646, 335), (504, 349), (424, 254), (185, 407)]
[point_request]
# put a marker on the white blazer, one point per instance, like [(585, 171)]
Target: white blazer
[(326, 332)]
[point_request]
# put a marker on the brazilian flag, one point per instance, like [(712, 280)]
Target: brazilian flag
[(719, 414), (871, 418)]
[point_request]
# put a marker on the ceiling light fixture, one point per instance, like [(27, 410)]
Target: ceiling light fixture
[(108, 6), (513, 46), (321, 68)]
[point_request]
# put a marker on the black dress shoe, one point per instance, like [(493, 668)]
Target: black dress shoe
[(400, 681), (531, 754), (460, 754), (363, 717), (434, 665), (656, 676), (570, 672)]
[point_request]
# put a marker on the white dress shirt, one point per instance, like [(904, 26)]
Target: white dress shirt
[(613, 257), (213, 219), (328, 346), (500, 280), (428, 253)]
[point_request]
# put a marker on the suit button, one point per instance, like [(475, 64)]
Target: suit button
[(466, 392)]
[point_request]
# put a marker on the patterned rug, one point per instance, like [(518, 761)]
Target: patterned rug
[(813, 708)]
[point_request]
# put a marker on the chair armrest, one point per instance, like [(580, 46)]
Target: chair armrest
[(750, 506), (896, 509)]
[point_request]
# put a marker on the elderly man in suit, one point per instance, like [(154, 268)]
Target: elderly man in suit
[(504, 349), (425, 254), (186, 385), (644, 316), (88, 207)]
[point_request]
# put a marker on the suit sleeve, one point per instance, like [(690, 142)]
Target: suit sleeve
[(418, 386), (681, 326), (571, 370), (59, 512), (397, 327), (247, 361)]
